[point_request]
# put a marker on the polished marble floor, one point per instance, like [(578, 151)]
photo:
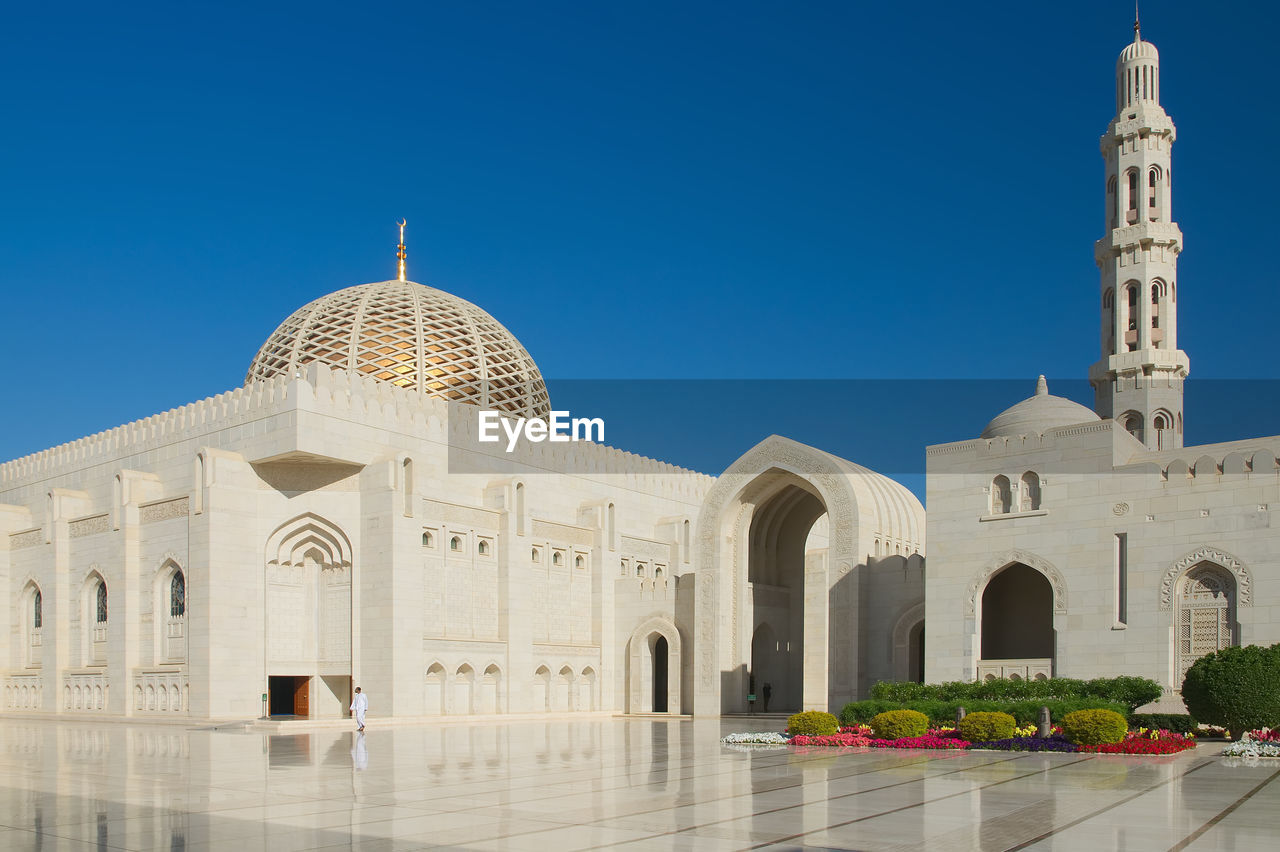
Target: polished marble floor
[(631, 784)]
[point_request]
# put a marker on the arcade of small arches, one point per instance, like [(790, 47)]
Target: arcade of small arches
[(468, 691), (1130, 325), (1006, 497), (1124, 198)]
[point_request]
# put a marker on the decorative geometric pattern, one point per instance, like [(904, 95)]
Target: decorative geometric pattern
[(414, 337), (1244, 580), (1204, 615), (1004, 560)]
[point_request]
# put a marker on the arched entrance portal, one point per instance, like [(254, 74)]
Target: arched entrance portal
[(779, 549), (653, 668), (1017, 625), (308, 625), (781, 536)]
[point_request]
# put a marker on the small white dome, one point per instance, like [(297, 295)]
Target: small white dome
[(1138, 50), (1037, 414), (415, 337)]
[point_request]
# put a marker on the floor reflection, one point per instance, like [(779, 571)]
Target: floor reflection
[(585, 783)]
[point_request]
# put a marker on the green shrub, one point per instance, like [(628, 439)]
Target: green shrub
[(1094, 727), (985, 726), (813, 723), (1131, 691), (896, 724), (944, 712), (1134, 691), (1179, 723), (1237, 688)]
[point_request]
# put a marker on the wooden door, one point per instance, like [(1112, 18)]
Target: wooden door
[(301, 696)]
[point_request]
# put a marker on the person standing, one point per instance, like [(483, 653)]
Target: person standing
[(359, 704)]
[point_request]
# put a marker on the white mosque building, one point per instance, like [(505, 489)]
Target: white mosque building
[(335, 522)]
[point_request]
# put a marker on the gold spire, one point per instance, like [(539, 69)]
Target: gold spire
[(400, 253)]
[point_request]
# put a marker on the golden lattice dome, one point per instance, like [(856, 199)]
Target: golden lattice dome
[(412, 336)]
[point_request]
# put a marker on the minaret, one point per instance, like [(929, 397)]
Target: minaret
[(1139, 379)]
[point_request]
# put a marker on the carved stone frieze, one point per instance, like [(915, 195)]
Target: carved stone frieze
[(1003, 560), (88, 526), (1244, 580), (27, 538), (163, 511)]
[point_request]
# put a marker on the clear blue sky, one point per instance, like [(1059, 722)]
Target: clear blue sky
[(637, 190)]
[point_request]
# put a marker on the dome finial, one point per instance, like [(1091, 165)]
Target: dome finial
[(400, 253), (1137, 25), (1042, 387)]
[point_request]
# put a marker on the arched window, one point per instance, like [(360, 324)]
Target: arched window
[(1030, 497), (455, 543), (578, 562), (1206, 615), (1162, 422), (100, 608), (536, 555), (37, 610), (657, 573), (1152, 180), (1133, 194), (1132, 423), (483, 548), (1001, 495), (1112, 202), (1133, 307), (639, 570), (428, 540), (557, 558), (178, 595)]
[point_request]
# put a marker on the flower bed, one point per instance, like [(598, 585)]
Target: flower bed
[(1264, 742), (1141, 741)]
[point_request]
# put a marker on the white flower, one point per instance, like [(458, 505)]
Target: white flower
[(755, 738)]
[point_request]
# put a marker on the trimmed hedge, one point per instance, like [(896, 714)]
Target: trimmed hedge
[(1179, 723), (1237, 688), (944, 712), (985, 726), (897, 724), (813, 723), (1094, 727), (1132, 691)]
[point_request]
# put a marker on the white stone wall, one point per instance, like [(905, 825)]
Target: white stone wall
[(1177, 507)]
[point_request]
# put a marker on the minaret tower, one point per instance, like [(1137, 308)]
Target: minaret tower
[(1139, 379)]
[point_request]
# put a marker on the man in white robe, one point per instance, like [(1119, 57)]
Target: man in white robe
[(359, 704)]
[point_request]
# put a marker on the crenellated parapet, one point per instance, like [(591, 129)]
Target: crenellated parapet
[(321, 390)]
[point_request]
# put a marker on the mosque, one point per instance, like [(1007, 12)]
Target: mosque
[(337, 522)]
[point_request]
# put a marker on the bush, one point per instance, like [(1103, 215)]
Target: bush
[(1179, 723), (985, 726), (896, 724), (1131, 691), (814, 723), (1094, 727), (1237, 688), (944, 712)]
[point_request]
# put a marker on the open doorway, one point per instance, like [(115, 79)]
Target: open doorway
[(660, 674), (289, 695)]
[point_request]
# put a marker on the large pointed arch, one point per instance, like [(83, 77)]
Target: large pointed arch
[(641, 666), (1003, 560), (860, 505)]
